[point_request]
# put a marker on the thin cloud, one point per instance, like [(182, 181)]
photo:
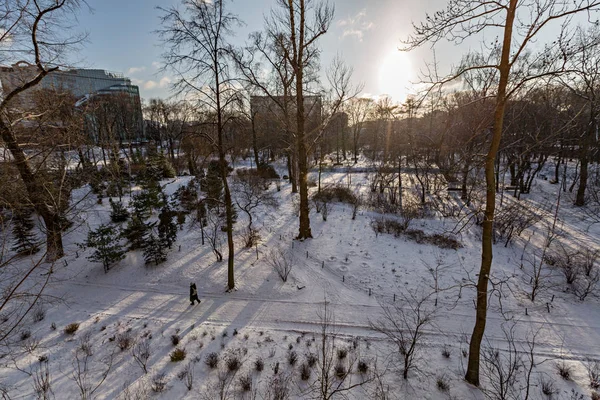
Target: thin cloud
[(150, 85), (134, 70), (356, 25), (162, 83)]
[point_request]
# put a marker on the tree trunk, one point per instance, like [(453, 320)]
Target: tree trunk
[(584, 158), (472, 375), (254, 141), (227, 193), (298, 66), (54, 247), (465, 178)]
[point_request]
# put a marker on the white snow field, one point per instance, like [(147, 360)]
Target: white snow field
[(345, 265)]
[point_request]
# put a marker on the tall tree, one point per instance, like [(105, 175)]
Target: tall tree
[(197, 51), (521, 24), (33, 32), (302, 32), (583, 82), (358, 111)]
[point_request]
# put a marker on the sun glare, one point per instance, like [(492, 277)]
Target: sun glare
[(395, 75)]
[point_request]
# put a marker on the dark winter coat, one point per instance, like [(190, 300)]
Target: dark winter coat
[(193, 292)]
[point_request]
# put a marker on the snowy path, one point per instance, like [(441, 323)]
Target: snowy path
[(570, 337)]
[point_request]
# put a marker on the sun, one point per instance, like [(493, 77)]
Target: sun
[(395, 74)]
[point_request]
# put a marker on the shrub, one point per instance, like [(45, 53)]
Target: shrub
[(39, 314), (124, 340), (53, 326), (548, 387), (25, 334), (175, 339), (342, 353), (336, 193), (392, 227), (311, 359), (593, 370), (267, 171), (362, 366), (304, 372), (178, 355), (446, 352), (443, 384), (259, 364), (212, 360), (245, 382), (159, 382), (292, 357), (232, 362), (85, 344), (564, 370), (595, 396), (340, 370), (71, 328)]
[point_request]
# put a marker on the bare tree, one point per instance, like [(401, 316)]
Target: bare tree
[(213, 233), (87, 376), (302, 34), (582, 82), (282, 262), (42, 382), (358, 110), (250, 192), (521, 24), (37, 37), (197, 51), (404, 323), (141, 353), (334, 375), (508, 370)]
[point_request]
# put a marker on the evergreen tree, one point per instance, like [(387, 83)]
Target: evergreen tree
[(108, 248), (212, 184), (167, 228), (136, 232), (145, 201), (154, 250), (119, 212), (25, 241)]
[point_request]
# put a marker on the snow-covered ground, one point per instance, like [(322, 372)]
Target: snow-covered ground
[(345, 265)]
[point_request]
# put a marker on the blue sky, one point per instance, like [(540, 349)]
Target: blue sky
[(364, 33)]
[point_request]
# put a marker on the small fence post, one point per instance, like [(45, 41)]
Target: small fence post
[(526, 311), (343, 278), (548, 306), (322, 264), (394, 297), (369, 291)]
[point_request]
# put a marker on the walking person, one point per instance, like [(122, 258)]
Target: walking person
[(193, 294)]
